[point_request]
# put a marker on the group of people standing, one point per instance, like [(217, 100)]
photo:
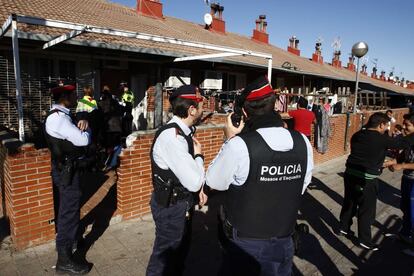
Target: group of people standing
[(367, 160), (75, 142), (263, 166)]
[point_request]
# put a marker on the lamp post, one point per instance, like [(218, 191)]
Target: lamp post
[(359, 50)]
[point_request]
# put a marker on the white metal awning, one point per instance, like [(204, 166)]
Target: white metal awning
[(78, 29)]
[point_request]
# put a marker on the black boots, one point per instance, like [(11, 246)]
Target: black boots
[(65, 263)]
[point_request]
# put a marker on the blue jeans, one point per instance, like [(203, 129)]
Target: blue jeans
[(258, 257), (172, 238), (407, 205)]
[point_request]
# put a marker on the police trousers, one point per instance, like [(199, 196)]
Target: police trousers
[(172, 238), (244, 256), (360, 199), (67, 211), (407, 205)]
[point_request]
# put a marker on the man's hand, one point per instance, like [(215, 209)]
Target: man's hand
[(397, 167), (389, 163), (230, 130), (202, 197), (197, 146), (83, 125)]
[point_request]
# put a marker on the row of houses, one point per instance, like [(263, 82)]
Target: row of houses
[(99, 43)]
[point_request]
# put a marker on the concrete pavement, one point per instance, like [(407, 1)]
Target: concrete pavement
[(124, 248)]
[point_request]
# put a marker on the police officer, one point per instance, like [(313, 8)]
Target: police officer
[(128, 102), (177, 171), (265, 168), (66, 141)]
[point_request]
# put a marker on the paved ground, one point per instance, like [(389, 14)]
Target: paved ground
[(124, 248)]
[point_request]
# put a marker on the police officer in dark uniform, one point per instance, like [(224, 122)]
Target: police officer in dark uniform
[(66, 141), (177, 172), (265, 169)]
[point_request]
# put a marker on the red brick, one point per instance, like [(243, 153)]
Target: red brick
[(38, 175)]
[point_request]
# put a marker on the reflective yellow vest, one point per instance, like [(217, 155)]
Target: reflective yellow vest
[(86, 104), (128, 97)]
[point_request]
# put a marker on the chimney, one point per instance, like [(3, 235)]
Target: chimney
[(294, 46), (364, 70), (382, 76), (351, 65), (152, 8), (336, 60), (260, 34), (317, 56), (391, 77), (374, 73), (402, 82), (218, 24)]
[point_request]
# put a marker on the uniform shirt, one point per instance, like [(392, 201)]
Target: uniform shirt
[(60, 125), (303, 120), (232, 164), (171, 152)]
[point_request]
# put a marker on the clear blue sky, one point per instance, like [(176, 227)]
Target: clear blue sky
[(387, 26)]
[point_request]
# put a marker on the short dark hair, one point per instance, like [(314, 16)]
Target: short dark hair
[(388, 111), (260, 107), (409, 117), (302, 102), (376, 119), (180, 106), (61, 97)]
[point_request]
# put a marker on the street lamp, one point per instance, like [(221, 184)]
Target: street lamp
[(359, 50)]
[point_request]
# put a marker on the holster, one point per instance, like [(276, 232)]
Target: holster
[(67, 171), (163, 191), (225, 229)]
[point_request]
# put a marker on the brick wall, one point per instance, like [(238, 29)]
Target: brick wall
[(29, 197), (3, 154)]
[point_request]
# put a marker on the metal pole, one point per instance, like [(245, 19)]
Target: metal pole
[(356, 86), (269, 69), (17, 77)]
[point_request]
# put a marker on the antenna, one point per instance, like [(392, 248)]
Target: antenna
[(336, 44), (375, 62), (364, 60)]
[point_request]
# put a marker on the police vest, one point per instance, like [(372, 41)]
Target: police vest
[(266, 205), (61, 149), (168, 174), (128, 97), (86, 104)]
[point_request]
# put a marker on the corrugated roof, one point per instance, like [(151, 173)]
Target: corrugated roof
[(109, 15)]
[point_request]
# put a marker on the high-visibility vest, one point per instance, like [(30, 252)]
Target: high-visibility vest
[(86, 104), (128, 97)]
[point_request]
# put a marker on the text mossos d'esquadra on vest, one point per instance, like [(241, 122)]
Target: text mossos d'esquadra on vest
[(280, 173)]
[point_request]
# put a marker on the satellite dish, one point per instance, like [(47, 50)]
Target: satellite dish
[(208, 19)]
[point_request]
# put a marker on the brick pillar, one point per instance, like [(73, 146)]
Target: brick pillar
[(151, 106), (212, 103), (134, 186), (29, 197)]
